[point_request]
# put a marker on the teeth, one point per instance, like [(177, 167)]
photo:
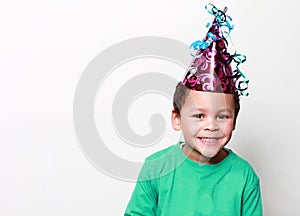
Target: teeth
[(209, 139)]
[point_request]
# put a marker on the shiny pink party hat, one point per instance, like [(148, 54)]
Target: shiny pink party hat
[(211, 69)]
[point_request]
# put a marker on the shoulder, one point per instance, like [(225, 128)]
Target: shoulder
[(244, 169), (162, 153), (160, 163)]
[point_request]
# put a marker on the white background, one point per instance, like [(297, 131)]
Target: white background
[(46, 45)]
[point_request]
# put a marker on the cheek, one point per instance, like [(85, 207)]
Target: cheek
[(227, 127), (190, 126)]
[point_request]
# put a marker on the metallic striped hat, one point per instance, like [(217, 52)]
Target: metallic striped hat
[(211, 67)]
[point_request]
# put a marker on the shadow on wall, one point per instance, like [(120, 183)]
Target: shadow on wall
[(256, 148)]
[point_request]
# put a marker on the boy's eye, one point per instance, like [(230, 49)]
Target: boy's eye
[(198, 116), (223, 116)]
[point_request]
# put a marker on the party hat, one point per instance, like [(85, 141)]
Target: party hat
[(211, 69)]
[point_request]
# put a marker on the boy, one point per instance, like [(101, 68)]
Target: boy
[(200, 176)]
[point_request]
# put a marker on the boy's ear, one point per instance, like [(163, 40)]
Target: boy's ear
[(176, 121)]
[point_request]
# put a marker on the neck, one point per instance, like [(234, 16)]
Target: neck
[(199, 158)]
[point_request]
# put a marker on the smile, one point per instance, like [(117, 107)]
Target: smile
[(209, 140)]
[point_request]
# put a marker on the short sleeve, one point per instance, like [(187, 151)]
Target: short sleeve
[(251, 203), (143, 200)]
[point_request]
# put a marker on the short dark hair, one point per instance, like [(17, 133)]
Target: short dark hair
[(181, 92)]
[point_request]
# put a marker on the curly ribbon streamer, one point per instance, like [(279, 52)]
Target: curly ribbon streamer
[(225, 24), (242, 84)]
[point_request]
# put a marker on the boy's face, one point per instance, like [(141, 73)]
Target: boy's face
[(207, 121)]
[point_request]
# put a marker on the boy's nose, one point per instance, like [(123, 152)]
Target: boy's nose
[(211, 125)]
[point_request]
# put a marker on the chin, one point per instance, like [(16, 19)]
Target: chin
[(208, 152)]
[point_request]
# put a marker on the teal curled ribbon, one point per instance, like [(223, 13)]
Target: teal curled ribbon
[(224, 22), (241, 80), (226, 25)]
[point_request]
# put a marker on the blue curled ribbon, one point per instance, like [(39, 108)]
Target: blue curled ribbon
[(242, 85), (226, 25), (223, 20)]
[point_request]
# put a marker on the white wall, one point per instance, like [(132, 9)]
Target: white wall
[(45, 47)]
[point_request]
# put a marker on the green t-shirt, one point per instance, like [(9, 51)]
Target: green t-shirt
[(170, 184)]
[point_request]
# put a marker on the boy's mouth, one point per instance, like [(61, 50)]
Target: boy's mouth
[(209, 140)]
